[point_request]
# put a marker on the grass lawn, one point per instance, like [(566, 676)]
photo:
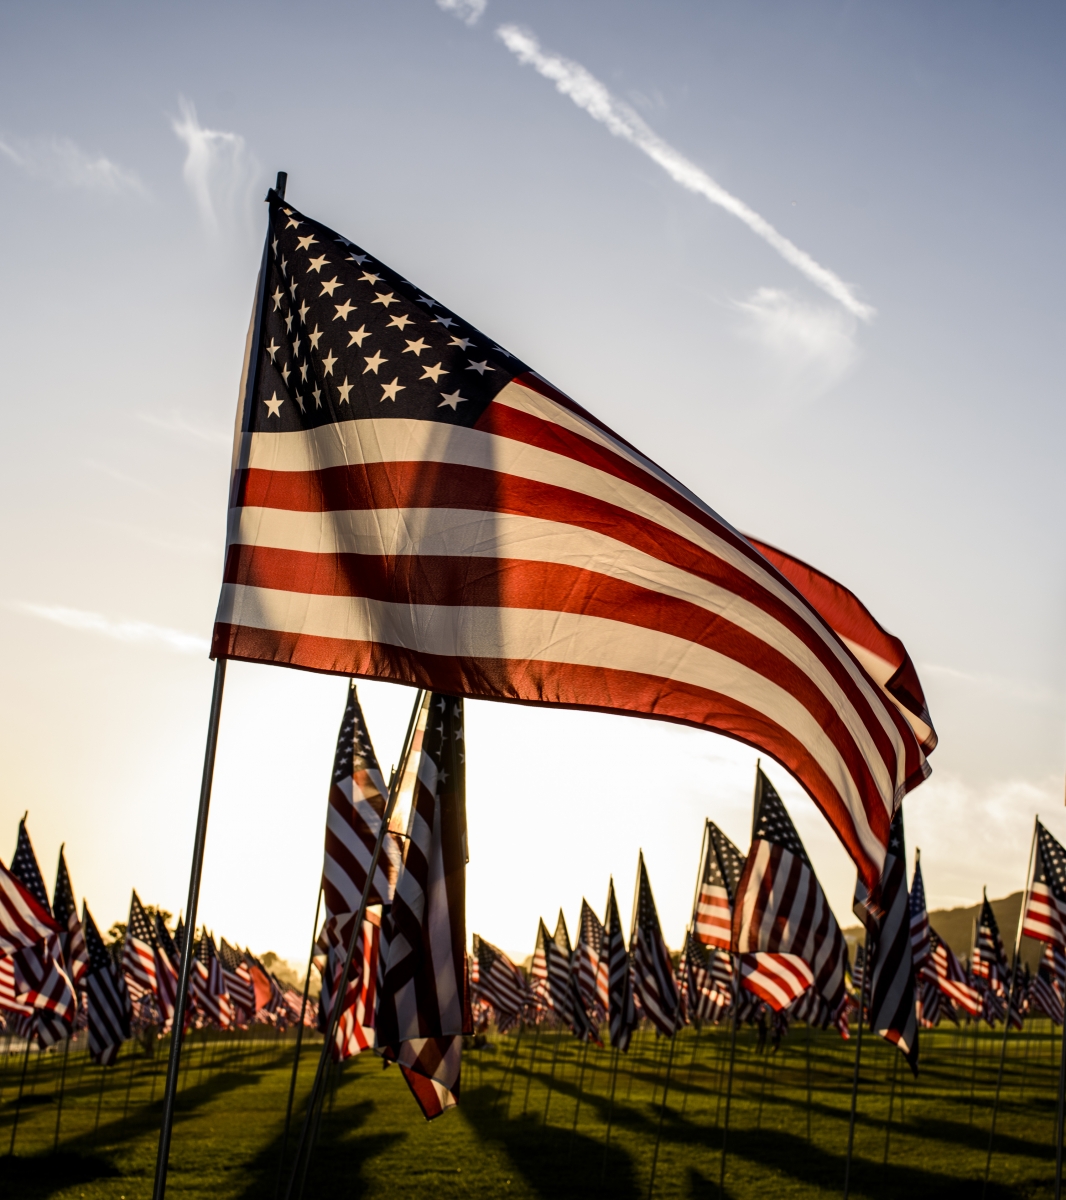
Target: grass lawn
[(513, 1135)]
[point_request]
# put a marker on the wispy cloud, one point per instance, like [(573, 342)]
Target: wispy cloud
[(1016, 689), (811, 346), (119, 631), (220, 171), (468, 11), (587, 92), (62, 163), (176, 423)]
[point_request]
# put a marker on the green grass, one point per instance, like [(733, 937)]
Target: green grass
[(513, 1137)]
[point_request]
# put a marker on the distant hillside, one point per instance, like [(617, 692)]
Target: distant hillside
[(955, 926)]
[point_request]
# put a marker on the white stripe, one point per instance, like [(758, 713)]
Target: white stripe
[(564, 638)]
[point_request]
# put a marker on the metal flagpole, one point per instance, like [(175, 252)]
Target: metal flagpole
[(610, 1115), (1058, 1117), (532, 1062), (580, 1085), (299, 1041), (729, 1083), (22, 1084), (891, 1105), (691, 1065), (808, 1082), (514, 1065), (357, 925), (62, 1085), (1015, 964), (199, 841), (662, 1114), (866, 973), (551, 1075)]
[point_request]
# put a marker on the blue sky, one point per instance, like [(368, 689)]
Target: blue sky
[(903, 434)]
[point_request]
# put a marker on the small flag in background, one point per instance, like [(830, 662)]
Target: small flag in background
[(921, 943), (71, 935), (951, 978), (590, 966), (621, 1012), (237, 979), (108, 1001), (653, 972), (989, 957), (500, 982), (167, 963), (24, 921), (138, 952), (1045, 911), (720, 874)]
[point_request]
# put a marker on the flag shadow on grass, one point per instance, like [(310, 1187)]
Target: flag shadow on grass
[(41, 1175), (553, 1160)]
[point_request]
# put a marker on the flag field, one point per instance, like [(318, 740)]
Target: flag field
[(515, 1133)]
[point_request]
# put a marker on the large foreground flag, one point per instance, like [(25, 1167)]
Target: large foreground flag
[(884, 656), (411, 502), (780, 907), (424, 1004), (1045, 911)]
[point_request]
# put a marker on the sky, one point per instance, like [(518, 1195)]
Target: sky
[(808, 257)]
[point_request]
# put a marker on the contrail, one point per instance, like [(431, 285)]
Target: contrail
[(121, 631), (588, 93)]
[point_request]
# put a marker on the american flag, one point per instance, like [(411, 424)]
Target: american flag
[(951, 978), (884, 656), (208, 984), (780, 907), (500, 982), (703, 995), (989, 957), (424, 1004), (1045, 910), (8, 995), (268, 994), (355, 1026), (886, 915), (921, 944), (653, 972), (138, 952), (719, 875), (457, 523), (356, 808), (166, 972), (238, 979), (24, 921), (779, 979), (590, 965), (563, 983), (1045, 994), (108, 1001), (71, 935), (40, 977), (621, 1013)]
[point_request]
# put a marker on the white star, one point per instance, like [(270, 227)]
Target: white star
[(343, 310), (480, 367), (462, 343), (313, 337), (317, 393), (447, 322), (416, 348), (426, 300), (360, 258), (274, 246), (453, 401), (433, 373), (356, 337), (384, 299), (277, 297), (372, 364), (286, 371), (369, 277), (283, 264), (272, 349), (329, 287), (293, 223), (305, 243), (389, 390), (400, 321), (300, 401), (292, 287), (288, 322), (344, 388), (316, 264), (296, 347), (303, 372), (274, 405), (327, 363), (303, 310)]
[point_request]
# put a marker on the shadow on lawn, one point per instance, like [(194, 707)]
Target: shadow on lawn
[(39, 1176)]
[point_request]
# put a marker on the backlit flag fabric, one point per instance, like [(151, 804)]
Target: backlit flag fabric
[(1045, 910), (411, 502), (886, 916), (884, 656), (208, 984), (9, 1000), (138, 952), (24, 921), (590, 967), (989, 957), (779, 979), (921, 943), (237, 979), (951, 978), (357, 797), (720, 873), (424, 1006), (71, 935), (653, 972), (621, 1012), (166, 972), (500, 982), (780, 907), (107, 1000)]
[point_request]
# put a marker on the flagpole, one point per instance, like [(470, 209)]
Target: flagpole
[(299, 1042), (62, 1087), (199, 841), (729, 1082), (866, 973), (337, 1000), (610, 1115), (22, 1084), (662, 1114), (1010, 1000)]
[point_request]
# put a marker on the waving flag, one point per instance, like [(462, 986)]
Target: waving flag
[(589, 965), (885, 657), (1045, 909), (411, 502), (951, 978), (166, 972), (989, 957), (71, 936), (780, 907), (237, 979), (653, 972), (138, 952), (720, 873), (108, 1002), (921, 943), (24, 921), (1045, 991), (621, 1013), (779, 979), (208, 984), (424, 1002), (500, 982)]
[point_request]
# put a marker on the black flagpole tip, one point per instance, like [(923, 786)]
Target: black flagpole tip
[(279, 187)]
